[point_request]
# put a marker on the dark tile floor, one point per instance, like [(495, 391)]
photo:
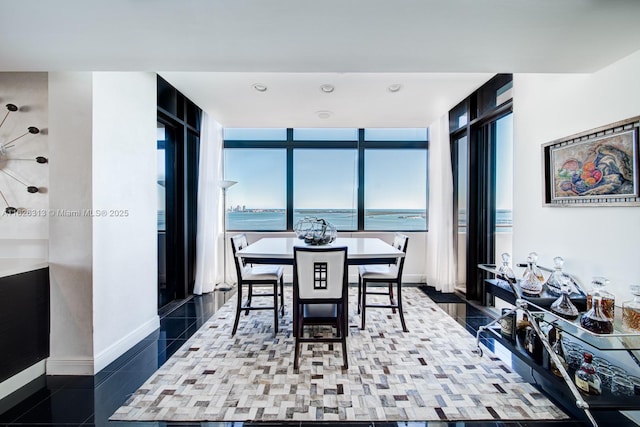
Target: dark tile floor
[(89, 401)]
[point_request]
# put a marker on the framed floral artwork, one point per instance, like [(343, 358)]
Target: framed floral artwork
[(594, 168)]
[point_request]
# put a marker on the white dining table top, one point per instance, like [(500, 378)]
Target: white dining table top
[(357, 248)]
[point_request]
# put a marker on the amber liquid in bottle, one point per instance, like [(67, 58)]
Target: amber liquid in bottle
[(595, 321)]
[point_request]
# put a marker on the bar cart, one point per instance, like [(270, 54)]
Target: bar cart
[(510, 291)]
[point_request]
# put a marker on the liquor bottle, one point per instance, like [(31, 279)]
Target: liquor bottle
[(598, 288), (559, 353), (595, 320), (508, 324), (586, 377), (631, 311), (563, 306), (532, 343)]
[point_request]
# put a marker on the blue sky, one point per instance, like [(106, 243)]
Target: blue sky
[(327, 178)]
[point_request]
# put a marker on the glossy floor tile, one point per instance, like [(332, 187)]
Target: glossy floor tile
[(89, 401)]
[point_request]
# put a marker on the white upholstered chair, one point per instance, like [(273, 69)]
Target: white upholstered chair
[(256, 276), (390, 274), (320, 296)]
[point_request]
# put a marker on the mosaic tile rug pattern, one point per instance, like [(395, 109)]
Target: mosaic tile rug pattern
[(427, 374)]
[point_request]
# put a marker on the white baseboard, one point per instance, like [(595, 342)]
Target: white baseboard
[(118, 348), (21, 379), (88, 366), (69, 366)]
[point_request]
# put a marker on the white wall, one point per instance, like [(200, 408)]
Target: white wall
[(24, 235), (125, 280), (70, 248), (592, 240), (103, 269)]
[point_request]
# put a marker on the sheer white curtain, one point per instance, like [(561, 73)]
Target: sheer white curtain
[(208, 265), (441, 262)]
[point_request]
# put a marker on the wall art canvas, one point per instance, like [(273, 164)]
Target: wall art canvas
[(599, 168)]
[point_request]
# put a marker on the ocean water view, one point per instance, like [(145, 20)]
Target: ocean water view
[(375, 220), (343, 219)]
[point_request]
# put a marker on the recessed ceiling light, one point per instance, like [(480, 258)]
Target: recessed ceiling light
[(259, 87), (324, 114), (394, 87), (327, 88)]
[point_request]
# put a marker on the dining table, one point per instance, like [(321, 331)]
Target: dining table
[(360, 250), (279, 250)]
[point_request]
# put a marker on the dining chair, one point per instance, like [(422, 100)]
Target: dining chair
[(320, 296), (257, 275), (383, 273)]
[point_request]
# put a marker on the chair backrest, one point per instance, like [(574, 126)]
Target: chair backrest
[(400, 242), (320, 273), (239, 241)]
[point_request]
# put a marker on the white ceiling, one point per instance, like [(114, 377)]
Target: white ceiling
[(214, 50)]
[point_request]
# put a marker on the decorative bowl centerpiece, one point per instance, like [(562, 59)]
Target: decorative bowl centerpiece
[(315, 231)]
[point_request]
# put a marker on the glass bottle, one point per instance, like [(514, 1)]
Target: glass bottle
[(532, 343), (563, 306), (559, 353), (631, 311), (534, 266), (505, 272), (531, 283), (594, 319), (587, 379), (598, 285), (554, 282)]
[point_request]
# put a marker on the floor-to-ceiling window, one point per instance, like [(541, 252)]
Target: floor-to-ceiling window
[(481, 148), (178, 147), (357, 179)]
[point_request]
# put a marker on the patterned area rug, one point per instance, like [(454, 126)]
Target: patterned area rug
[(427, 374)]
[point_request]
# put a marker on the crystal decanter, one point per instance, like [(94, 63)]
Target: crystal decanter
[(534, 266), (631, 311), (608, 300), (505, 272), (563, 306), (594, 319), (553, 284), (531, 283)]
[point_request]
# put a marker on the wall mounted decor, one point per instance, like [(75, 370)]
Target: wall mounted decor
[(598, 167), (7, 143)]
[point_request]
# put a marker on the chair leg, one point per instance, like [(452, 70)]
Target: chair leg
[(363, 311), (238, 309), (282, 296), (297, 332), (343, 335), (404, 326), (393, 310), (359, 292), (249, 295), (275, 307)]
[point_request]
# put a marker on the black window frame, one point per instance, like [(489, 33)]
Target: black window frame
[(360, 145)]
